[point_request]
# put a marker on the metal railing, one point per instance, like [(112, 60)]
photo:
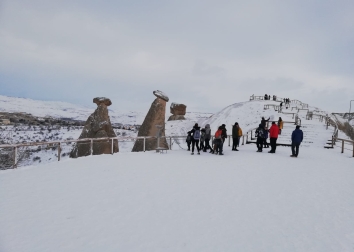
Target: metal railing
[(345, 141), (279, 99)]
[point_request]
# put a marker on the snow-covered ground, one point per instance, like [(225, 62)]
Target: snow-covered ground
[(242, 201)]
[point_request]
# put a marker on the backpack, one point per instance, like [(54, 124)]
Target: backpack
[(218, 134), (189, 138), (260, 133), (196, 134)]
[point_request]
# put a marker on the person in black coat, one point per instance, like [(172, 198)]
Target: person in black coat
[(260, 137), (296, 139), (264, 121), (224, 133), (189, 140), (195, 138)]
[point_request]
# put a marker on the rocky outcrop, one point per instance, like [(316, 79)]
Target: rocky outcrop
[(98, 125), (178, 111), (155, 116)]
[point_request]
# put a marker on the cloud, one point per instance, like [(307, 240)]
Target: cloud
[(202, 68), (206, 54)]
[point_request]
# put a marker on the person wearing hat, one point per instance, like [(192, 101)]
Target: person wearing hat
[(273, 135), (296, 138), (236, 133)]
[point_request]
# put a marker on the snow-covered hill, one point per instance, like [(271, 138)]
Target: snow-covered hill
[(59, 109)]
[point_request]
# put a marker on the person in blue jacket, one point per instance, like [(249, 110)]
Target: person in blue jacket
[(296, 139)]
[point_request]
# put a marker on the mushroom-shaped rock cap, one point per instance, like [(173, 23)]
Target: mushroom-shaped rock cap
[(161, 95), (102, 100)]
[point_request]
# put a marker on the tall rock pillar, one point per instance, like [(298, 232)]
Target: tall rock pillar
[(98, 125), (155, 116)]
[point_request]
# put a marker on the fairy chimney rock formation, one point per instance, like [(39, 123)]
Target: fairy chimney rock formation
[(178, 111), (155, 116), (98, 125)]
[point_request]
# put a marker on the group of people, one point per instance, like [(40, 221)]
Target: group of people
[(267, 97), (262, 133), (274, 131), (286, 101), (203, 136)]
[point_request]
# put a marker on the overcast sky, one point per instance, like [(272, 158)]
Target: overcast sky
[(205, 54)]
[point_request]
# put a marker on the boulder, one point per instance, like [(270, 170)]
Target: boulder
[(155, 116), (98, 125), (176, 118), (178, 111)]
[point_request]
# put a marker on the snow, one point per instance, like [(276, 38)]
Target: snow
[(161, 95), (57, 109), (242, 201)]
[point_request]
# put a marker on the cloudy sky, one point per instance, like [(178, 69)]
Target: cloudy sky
[(206, 54)]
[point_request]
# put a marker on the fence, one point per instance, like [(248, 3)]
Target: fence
[(279, 99), (345, 141), (12, 155)]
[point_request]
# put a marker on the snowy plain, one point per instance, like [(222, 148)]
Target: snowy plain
[(242, 201)]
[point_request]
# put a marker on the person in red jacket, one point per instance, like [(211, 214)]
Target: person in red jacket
[(273, 135)]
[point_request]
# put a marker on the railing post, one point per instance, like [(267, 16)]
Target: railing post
[(59, 151), (353, 149), (251, 135), (243, 140), (229, 140), (144, 143), (15, 157), (112, 146), (170, 143), (91, 147), (342, 146)]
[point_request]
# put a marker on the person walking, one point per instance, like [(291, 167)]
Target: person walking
[(195, 138), (296, 138), (236, 133), (280, 125), (260, 137), (207, 138), (273, 134)]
